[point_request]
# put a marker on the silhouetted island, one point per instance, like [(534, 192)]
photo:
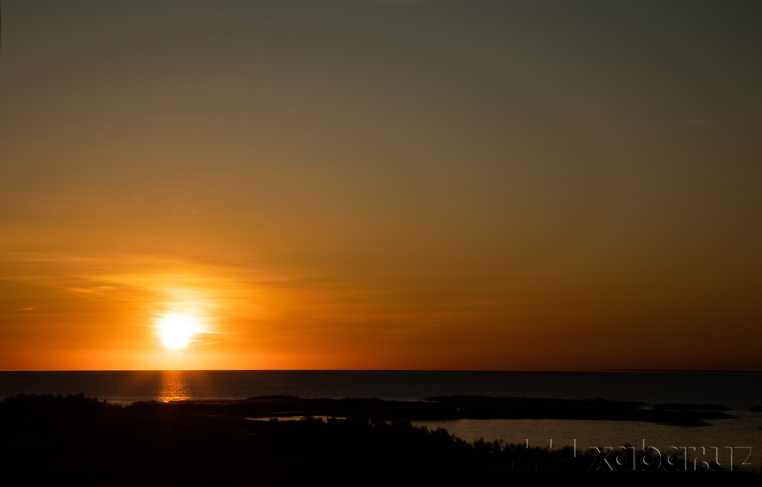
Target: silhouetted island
[(451, 407), (75, 439)]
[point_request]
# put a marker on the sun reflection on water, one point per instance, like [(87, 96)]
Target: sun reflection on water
[(174, 387)]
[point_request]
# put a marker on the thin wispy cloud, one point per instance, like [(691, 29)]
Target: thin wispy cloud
[(700, 122), (385, 2)]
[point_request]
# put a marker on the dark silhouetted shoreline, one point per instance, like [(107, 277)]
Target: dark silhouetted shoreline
[(453, 407), (50, 439)]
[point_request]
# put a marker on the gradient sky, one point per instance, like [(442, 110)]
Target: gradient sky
[(352, 184)]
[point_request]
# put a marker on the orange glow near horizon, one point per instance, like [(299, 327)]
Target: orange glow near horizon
[(219, 318)]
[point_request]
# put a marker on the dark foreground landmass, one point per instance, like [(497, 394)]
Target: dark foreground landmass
[(55, 440)]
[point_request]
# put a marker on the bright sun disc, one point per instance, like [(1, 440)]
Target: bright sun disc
[(176, 330)]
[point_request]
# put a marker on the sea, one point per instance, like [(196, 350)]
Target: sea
[(734, 443)]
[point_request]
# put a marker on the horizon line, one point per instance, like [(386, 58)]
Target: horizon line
[(682, 371)]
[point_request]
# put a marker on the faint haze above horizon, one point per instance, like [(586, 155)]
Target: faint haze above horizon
[(350, 184)]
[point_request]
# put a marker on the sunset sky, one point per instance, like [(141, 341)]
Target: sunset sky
[(388, 184)]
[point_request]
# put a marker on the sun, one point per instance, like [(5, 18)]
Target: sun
[(176, 330)]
